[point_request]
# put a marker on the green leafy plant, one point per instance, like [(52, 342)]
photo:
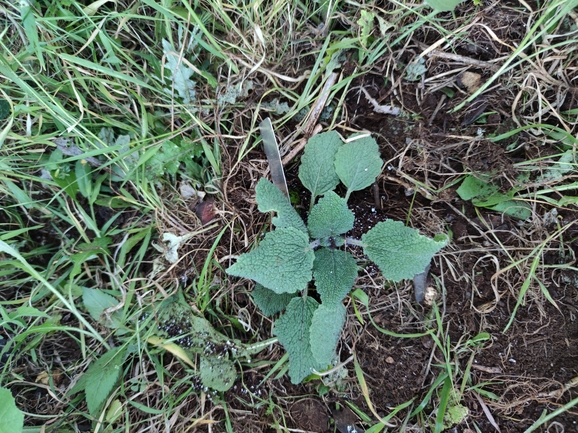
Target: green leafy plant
[(160, 160), (289, 258), (443, 5), (188, 336), (100, 378), (485, 194), (171, 326), (11, 418), (4, 109)]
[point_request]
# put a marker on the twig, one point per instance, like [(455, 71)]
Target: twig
[(298, 147), (320, 104), (312, 128), (381, 109), (487, 412), (457, 58)]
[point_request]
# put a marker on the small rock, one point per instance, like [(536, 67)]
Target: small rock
[(470, 81)]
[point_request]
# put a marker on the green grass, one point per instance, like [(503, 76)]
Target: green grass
[(108, 109)]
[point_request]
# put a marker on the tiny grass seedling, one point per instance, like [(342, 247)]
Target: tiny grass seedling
[(287, 259)]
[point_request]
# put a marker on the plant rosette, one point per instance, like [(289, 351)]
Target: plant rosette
[(294, 254)]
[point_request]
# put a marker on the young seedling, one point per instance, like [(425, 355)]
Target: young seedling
[(289, 258)]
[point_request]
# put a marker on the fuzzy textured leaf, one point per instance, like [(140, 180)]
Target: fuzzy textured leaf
[(293, 331), (400, 251), (326, 326), (282, 262), (268, 301), (270, 198), (330, 217), (217, 373), (11, 418), (175, 327), (101, 377), (317, 171), (335, 272), (165, 160), (358, 164)]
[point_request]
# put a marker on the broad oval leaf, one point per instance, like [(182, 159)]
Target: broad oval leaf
[(358, 164), (485, 194), (443, 5), (293, 331), (282, 262), (472, 187), (270, 198), (334, 272), (268, 301), (400, 251), (330, 217), (217, 373), (11, 418), (317, 171), (326, 327), (97, 302)]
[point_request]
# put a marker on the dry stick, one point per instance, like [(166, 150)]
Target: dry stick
[(411, 185), (559, 392), (533, 34), (394, 85), (456, 57), (309, 129), (272, 74), (334, 369), (320, 104), (445, 39), (488, 306), (300, 145), (381, 109), (272, 151), (487, 412), (438, 108), (574, 16), (490, 370)]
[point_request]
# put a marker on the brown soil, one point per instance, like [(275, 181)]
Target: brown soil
[(522, 370)]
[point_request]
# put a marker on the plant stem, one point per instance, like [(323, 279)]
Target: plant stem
[(353, 242), (257, 347), (314, 244)]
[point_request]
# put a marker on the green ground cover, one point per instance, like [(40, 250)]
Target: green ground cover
[(129, 136)]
